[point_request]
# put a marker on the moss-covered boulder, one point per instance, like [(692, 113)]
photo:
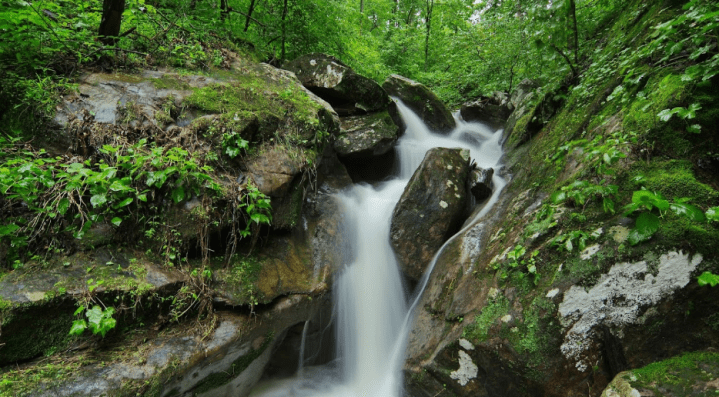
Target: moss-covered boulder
[(366, 136), (422, 101), (690, 374), (431, 209), (348, 92), (494, 110)]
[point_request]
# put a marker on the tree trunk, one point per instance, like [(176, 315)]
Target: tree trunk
[(361, 6), (428, 24), (249, 14), (111, 20), (224, 10), (284, 31)]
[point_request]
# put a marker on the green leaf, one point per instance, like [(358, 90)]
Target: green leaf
[(178, 194), (78, 327), (665, 115), (123, 203), (688, 211), (116, 221), (63, 206), (98, 200), (8, 229), (708, 278), (712, 214), (647, 225), (558, 197)]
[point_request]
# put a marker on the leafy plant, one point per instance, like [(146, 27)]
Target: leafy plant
[(648, 222), (708, 278), (567, 241), (99, 320)]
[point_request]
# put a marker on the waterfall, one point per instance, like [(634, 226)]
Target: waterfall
[(373, 315)]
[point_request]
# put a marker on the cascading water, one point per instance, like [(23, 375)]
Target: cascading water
[(372, 314)]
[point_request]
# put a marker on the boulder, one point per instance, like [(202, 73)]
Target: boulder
[(524, 88), (348, 92), (494, 110), (422, 101), (366, 136), (523, 122), (431, 209), (689, 374), (480, 183)]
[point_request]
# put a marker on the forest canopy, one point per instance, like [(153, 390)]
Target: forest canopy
[(462, 49)]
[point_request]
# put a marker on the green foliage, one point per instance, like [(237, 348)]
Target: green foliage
[(648, 223), (518, 265), (708, 278), (492, 311), (567, 241), (99, 320)]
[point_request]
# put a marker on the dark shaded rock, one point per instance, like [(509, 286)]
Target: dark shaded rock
[(431, 209), (494, 110), (422, 101), (480, 182), (524, 88), (348, 92), (523, 122), (366, 136)]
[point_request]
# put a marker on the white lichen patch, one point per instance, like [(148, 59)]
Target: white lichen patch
[(449, 167), (449, 183), (619, 233), (597, 232), (552, 293), (466, 345), (507, 318), (493, 292), (467, 369), (443, 204), (313, 62), (589, 252), (617, 300)]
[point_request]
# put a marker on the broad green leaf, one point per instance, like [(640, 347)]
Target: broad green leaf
[(178, 194), (123, 203), (63, 206), (688, 211), (98, 200), (8, 229), (712, 214), (708, 278), (647, 225), (116, 221), (78, 327), (558, 197)]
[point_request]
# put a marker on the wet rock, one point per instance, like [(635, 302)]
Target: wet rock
[(523, 89), (274, 171), (480, 182), (348, 92), (422, 101), (366, 136), (229, 360), (494, 110), (39, 303), (431, 209)]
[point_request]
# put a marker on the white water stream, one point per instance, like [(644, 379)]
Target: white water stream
[(372, 314)]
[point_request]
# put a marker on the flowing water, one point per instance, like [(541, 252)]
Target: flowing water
[(372, 312)]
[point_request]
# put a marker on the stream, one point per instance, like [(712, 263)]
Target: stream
[(373, 311)]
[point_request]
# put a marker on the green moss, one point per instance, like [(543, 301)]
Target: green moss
[(494, 310), (170, 82), (674, 179), (680, 374), (21, 383), (218, 379)]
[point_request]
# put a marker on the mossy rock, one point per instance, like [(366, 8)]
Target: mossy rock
[(422, 101), (366, 136)]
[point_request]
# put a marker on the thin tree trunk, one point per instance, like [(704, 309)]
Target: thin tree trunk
[(361, 6), (249, 14), (573, 12), (224, 11), (428, 24), (111, 20), (284, 31), (409, 15)]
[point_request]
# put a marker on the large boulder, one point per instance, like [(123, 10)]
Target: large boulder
[(366, 136), (348, 92), (494, 110), (431, 209), (422, 101), (523, 123)]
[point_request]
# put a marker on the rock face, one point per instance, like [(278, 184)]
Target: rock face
[(366, 136), (494, 110), (422, 101), (431, 209), (522, 123), (348, 92), (480, 183)]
